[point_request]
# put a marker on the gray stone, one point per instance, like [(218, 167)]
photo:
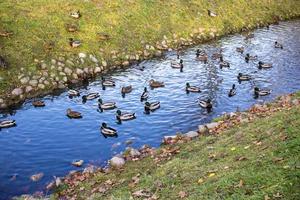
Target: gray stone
[(45, 74), (65, 79), (28, 88), (52, 67), (60, 68), (57, 78), (117, 162), (94, 59), (295, 102), (1, 101), (134, 152), (68, 71), (191, 134), (24, 80), (60, 64), (17, 92), (53, 61), (41, 86), (158, 53), (61, 59), (82, 60), (61, 86), (62, 74), (3, 105), (74, 76), (125, 63), (44, 66), (52, 75), (86, 70), (212, 125), (202, 129), (82, 55), (36, 77), (104, 63), (146, 53), (69, 62), (97, 70), (79, 71), (46, 82), (33, 83)]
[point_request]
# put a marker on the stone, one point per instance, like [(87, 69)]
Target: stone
[(68, 71), (17, 92), (104, 63), (146, 53), (191, 134), (1, 101), (203, 130), (86, 70), (212, 125), (44, 66), (117, 162), (295, 102), (60, 64), (125, 63), (82, 55), (134, 152), (24, 80), (33, 83), (69, 62), (97, 70), (60, 68), (61, 59), (158, 53), (53, 61), (82, 60), (45, 74), (94, 59), (79, 71), (41, 86), (57, 78), (28, 88), (62, 74), (61, 86), (75, 76), (52, 67), (3, 105), (46, 82), (65, 79)]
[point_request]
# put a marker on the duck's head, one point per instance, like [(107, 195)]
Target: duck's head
[(233, 86), (84, 98), (221, 58), (240, 74), (151, 81), (100, 100), (69, 110), (208, 101), (247, 55), (198, 51), (181, 61), (256, 89), (102, 78), (104, 125), (147, 104), (71, 39), (276, 42), (119, 112), (145, 89), (187, 84)]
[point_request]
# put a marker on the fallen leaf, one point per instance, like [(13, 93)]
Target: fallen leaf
[(226, 167), (182, 194), (200, 180), (247, 147), (286, 167), (233, 149), (211, 174)]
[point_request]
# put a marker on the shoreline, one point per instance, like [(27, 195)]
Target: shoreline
[(58, 73)]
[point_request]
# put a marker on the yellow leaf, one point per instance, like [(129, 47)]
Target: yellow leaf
[(233, 149), (200, 180), (211, 174), (247, 147), (286, 167)]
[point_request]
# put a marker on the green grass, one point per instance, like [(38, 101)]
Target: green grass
[(270, 145), (131, 24)]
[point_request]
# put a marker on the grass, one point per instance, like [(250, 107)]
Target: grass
[(131, 24), (255, 160)]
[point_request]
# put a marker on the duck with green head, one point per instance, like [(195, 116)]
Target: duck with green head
[(106, 105), (190, 88), (108, 131), (232, 91), (124, 116), (145, 94), (262, 65)]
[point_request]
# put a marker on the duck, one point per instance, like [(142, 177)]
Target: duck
[(90, 96), (211, 13), (73, 93), (108, 131), (205, 103), (248, 57), (74, 43), (259, 92), (71, 27), (201, 55), (189, 88), (38, 103), (75, 14), (145, 94), (77, 163), (73, 114), (126, 89), (223, 63), (176, 65), (249, 36), (7, 123), (232, 91), (240, 49), (108, 83), (243, 77), (106, 105), (3, 63), (262, 65), (278, 45), (124, 116), (156, 84), (217, 55), (152, 106)]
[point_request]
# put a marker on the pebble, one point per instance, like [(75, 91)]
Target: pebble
[(41, 86), (125, 63), (97, 70), (28, 88), (44, 66), (212, 125), (94, 59), (104, 63), (134, 152), (53, 61), (24, 80), (202, 129), (68, 71), (17, 92), (1, 101), (79, 71), (82, 55), (191, 134), (117, 162)]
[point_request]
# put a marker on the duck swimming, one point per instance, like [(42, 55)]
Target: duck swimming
[(259, 92), (243, 77), (249, 36), (156, 84), (205, 104), (232, 91), (223, 63), (108, 131), (38, 103), (176, 65), (106, 105), (278, 45), (74, 43), (124, 116), (73, 114), (126, 89), (189, 88), (248, 57), (145, 94), (75, 14), (90, 96), (240, 49), (262, 65), (217, 55), (201, 55), (73, 93), (152, 106), (7, 123), (108, 83)]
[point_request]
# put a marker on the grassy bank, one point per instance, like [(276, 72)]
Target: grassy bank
[(137, 29), (251, 155)]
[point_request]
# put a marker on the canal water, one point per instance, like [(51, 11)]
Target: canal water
[(46, 141)]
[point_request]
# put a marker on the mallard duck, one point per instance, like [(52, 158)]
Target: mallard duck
[(3, 63), (74, 43), (108, 83), (205, 104), (124, 116), (156, 84), (189, 88), (177, 65), (108, 131), (259, 92), (262, 65), (7, 123), (77, 163), (217, 55), (232, 91), (73, 93), (73, 114), (6, 33), (248, 57), (249, 36), (126, 89), (38, 103), (278, 45), (145, 94), (75, 14), (71, 27), (106, 105), (211, 13), (243, 77), (90, 96), (201, 55), (152, 106), (240, 49), (223, 63)]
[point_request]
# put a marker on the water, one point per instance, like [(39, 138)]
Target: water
[(45, 140)]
